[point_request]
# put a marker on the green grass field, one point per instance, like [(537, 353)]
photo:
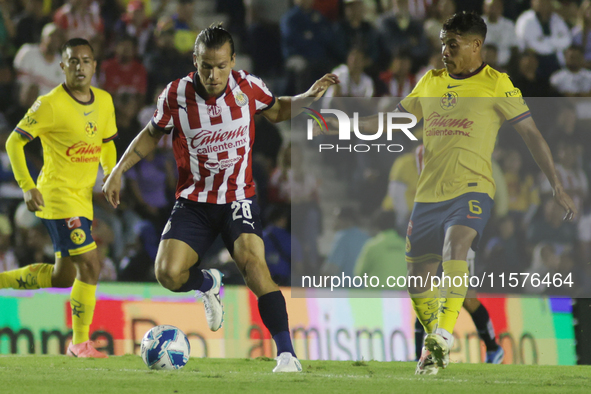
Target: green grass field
[(128, 374)]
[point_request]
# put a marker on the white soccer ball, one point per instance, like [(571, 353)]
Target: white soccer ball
[(165, 347)]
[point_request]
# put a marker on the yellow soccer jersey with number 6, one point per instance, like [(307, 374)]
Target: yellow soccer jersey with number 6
[(462, 116), (72, 134)]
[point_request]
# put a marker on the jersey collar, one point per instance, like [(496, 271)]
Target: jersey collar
[(469, 75), (210, 100), (75, 99)]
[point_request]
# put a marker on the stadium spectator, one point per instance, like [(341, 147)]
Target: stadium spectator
[(573, 80), (549, 259), (150, 183), (29, 23), (218, 186), (280, 246), (400, 32), (383, 254), (8, 260), (184, 31), (354, 82), (544, 31), (547, 226), (262, 19), (104, 237), (348, 241), (38, 65), (398, 80), (435, 63), (124, 73), (582, 31), (31, 240), (164, 62), (521, 187), (126, 109), (402, 186), (569, 170), (500, 31), (135, 23), (527, 78), (80, 18), (357, 32), (503, 252), (490, 55), (309, 45), (432, 26)]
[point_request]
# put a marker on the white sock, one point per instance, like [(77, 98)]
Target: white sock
[(449, 338)]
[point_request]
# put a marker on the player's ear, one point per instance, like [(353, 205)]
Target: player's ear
[(195, 59), (477, 44)]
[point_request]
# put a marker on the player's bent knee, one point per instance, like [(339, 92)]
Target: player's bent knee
[(168, 277)]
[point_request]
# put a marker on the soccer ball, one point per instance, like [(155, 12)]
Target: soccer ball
[(165, 347)]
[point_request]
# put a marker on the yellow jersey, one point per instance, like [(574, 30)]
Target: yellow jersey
[(461, 116), (72, 134)]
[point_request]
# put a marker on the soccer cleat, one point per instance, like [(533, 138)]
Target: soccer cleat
[(214, 310), (84, 349), (495, 356), (426, 364), (439, 349), (286, 362)]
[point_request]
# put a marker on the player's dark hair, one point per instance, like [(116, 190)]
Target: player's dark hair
[(466, 23), (76, 42), (215, 36)]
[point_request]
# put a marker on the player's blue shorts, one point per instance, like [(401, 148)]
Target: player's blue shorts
[(71, 236), (198, 224), (429, 222)]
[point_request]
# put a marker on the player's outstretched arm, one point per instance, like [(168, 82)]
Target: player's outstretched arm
[(286, 107), (15, 146), (543, 157), (145, 142)]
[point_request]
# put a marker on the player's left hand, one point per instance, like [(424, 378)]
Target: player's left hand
[(565, 202), (319, 88)]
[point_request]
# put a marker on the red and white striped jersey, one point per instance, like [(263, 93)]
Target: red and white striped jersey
[(212, 139)]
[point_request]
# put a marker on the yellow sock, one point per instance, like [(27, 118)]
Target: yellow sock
[(82, 302), (452, 296), (426, 305), (34, 276)]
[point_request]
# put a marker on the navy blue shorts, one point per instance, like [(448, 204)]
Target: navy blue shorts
[(71, 236), (429, 222), (198, 224)]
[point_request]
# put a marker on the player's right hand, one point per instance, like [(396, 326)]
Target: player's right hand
[(34, 200), (112, 188)]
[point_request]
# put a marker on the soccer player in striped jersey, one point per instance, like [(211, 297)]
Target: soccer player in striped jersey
[(210, 114), (76, 125), (463, 106)]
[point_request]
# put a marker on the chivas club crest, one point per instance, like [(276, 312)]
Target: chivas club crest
[(241, 99), (214, 110)]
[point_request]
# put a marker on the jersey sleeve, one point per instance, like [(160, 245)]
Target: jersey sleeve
[(510, 101), (111, 131), (261, 94), (37, 121), (412, 102), (162, 119)]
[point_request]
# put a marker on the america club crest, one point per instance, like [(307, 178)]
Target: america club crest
[(214, 110), (241, 99), (449, 100), (91, 129)]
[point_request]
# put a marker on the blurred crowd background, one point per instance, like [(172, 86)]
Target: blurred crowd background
[(378, 48)]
